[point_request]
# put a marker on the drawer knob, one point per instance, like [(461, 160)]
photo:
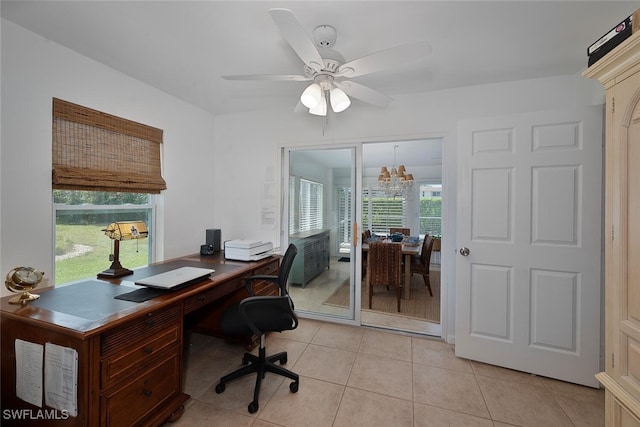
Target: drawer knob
[(200, 298), (149, 322), (147, 393), (148, 350)]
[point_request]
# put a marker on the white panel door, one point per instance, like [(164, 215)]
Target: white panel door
[(529, 222)]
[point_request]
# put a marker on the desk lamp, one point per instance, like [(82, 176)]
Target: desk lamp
[(117, 231)]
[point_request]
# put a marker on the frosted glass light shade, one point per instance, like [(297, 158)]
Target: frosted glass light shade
[(311, 96), (321, 109), (339, 100)]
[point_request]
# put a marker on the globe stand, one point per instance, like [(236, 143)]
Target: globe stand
[(24, 297)]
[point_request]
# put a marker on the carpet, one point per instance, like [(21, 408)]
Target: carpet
[(420, 306)]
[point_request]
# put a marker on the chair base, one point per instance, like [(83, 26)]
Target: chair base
[(260, 365)]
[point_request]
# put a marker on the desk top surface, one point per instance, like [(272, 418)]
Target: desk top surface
[(85, 308)]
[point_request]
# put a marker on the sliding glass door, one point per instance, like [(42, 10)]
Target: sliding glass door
[(321, 216)]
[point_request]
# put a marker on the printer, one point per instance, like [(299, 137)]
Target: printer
[(247, 250)]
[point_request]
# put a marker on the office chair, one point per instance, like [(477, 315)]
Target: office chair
[(259, 315)]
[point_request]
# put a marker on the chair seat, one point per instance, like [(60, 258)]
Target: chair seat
[(266, 318), (231, 322)]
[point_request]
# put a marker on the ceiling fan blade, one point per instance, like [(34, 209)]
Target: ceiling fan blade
[(268, 77), (297, 37), (384, 59), (364, 93)]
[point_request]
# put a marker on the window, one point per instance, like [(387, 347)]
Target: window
[(306, 208), (381, 212), (431, 209), (105, 169), (343, 195), (82, 249)]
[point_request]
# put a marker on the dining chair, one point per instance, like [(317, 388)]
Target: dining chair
[(384, 267), (366, 235), (403, 231), (420, 263)]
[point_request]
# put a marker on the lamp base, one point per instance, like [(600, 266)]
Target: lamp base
[(116, 270), (111, 273)]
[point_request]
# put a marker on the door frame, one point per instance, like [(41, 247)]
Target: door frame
[(449, 220), (355, 273)]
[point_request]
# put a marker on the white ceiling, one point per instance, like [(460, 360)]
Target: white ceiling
[(183, 47)]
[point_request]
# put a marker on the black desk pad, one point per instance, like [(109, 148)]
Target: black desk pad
[(142, 295)]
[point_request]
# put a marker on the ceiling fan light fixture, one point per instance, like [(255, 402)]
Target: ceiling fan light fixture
[(321, 108), (339, 100), (312, 96)]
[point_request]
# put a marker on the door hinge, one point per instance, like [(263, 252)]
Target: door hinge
[(613, 360), (613, 232), (613, 104)]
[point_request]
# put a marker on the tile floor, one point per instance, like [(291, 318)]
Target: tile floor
[(351, 376)]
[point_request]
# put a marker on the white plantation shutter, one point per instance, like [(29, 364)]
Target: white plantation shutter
[(381, 212), (306, 205)]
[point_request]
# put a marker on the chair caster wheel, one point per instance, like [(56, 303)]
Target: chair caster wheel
[(220, 388), (283, 361), (253, 407), (293, 387)]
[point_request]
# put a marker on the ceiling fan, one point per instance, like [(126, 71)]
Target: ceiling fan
[(327, 68)]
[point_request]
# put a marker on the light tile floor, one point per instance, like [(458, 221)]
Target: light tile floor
[(352, 376)]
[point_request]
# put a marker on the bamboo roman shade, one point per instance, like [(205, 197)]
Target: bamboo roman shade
[(96, 151)]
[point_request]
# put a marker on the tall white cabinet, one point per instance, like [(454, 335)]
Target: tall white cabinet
[(619, 72)]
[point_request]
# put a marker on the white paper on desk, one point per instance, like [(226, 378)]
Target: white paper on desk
[(61, 378), (29, 372)]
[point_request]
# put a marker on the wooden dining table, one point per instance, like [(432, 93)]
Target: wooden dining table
[(407, 252)]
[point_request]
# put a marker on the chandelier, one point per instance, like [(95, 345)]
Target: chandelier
[(395, 183)]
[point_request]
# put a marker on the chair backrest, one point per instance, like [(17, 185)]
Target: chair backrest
[(285, 268), (427, 248), (404, 231), (384, 264)]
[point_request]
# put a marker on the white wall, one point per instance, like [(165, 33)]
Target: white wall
[(34, 71)]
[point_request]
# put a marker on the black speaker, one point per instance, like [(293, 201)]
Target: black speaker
[(213, 239)]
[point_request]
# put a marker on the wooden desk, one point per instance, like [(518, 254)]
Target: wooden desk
[(407, 251), (129, 354)]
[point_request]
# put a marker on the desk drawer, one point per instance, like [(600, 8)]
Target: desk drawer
[(214, 294), (270, 269), (130, 360), (130, 402), (263, 287), (139, 329)]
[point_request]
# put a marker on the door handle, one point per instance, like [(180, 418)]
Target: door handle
[(465, 251)]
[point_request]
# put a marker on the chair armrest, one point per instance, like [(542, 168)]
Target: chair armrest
[(268, 314), (249, 280)]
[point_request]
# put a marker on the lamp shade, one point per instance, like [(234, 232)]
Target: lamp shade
[(126, 230), (321, 108), (312, 96), (339, 100)]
